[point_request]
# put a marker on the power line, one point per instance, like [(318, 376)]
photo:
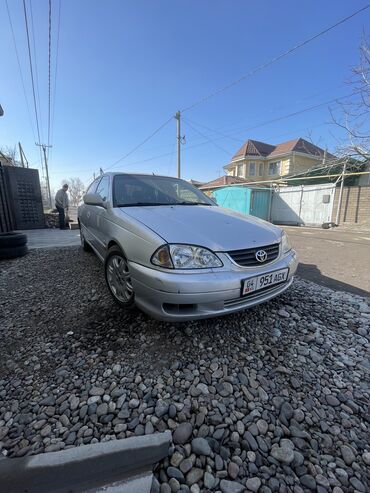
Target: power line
[(213, 130), (56, 69), (31, 71), (20, 69), (206, 137), (152, 158), (49, 74), (36, 69), (141, 144), (274, 120), (274, 59), (55, 83)]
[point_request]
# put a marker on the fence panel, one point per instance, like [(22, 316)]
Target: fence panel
[(310, 205)]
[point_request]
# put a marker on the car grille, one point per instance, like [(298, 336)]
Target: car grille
[(247, 257)]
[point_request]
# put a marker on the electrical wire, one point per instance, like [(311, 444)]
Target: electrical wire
[(20, 70), (56, 70), (274, 120), (153, 158), (50, 149), (140, 144), (49, 76), (274, 59), (212, 130), (206, 137), (31, 72), (36, 69)]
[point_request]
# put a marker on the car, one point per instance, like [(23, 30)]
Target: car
[(171, 251)]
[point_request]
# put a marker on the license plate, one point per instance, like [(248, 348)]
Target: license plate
[(264, 280)]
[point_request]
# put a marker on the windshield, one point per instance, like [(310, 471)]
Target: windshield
[(141, 190)]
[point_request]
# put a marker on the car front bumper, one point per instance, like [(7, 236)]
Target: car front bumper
[(180, 296)]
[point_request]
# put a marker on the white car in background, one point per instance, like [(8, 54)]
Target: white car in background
[(171, 251)]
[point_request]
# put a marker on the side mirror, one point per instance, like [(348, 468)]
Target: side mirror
[(93, 199)]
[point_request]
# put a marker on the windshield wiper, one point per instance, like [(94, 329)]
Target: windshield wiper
[(142, 204), (160, 203), (191, 203)]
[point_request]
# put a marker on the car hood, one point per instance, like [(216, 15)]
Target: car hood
[(213, 227)]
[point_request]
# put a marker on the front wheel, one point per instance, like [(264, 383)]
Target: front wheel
[(118, 278)]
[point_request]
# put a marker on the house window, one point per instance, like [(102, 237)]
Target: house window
[(274, 168), (260, 169), (252, 169), (239, 170)]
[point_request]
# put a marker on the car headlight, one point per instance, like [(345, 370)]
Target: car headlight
[(285, 243), (185, 257)]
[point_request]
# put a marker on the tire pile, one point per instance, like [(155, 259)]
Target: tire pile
[(12, 245)]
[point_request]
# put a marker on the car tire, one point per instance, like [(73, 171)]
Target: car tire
[(118, 279), (12, 239), (85, 246), (13, 252)]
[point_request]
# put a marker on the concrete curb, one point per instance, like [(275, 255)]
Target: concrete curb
[(115, 466)]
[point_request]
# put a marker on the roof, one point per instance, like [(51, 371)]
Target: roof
[(261, 149), (194, 182), (222, 180)]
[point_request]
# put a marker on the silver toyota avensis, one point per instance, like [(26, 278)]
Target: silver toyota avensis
[(171, 251)]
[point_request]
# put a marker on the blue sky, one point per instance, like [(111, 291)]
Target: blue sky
[(125, 67)]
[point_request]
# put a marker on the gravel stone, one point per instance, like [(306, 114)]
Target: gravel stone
[(200, 446), (347, 454), (253, 484), (308, 481), (231, 486), (283, 454), (284, 402), (182, 433), (194, 476)]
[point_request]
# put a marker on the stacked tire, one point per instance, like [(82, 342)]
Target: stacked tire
[(12, 245)]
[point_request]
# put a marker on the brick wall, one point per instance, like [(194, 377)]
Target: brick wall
[(355, 208)]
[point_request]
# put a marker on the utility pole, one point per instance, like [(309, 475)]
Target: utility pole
[(178, 116), (21, 154), (339, 206), (44, 146), (324, 157), (24, 160)]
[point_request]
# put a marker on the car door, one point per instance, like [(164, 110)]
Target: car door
[(84, 213), (99, 217)]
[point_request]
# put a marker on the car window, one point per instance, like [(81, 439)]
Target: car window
[(103, 188), (92, 187), (131, 190)]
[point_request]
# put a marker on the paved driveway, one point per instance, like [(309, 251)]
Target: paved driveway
[(52, 238), (335, 258)]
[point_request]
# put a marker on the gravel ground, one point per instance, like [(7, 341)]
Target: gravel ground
[(272, 399)]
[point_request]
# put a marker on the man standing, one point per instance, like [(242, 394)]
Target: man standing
[(61, 203)]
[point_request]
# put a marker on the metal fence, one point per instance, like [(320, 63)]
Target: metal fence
[(6, 219), (20, 199)]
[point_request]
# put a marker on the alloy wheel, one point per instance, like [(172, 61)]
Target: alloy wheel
[(119, 279)]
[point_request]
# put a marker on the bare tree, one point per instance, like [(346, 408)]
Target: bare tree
[(75, 189), (9, 155), (353, 114)]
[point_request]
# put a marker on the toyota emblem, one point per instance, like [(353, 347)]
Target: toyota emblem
[(261, 256)]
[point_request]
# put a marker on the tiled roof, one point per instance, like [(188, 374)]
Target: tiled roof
[(255, 148), (222, 180)]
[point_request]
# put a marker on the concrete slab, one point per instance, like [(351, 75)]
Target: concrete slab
[(52, 238), (123, 466)]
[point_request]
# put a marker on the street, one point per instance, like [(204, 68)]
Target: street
[(335, 258)]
